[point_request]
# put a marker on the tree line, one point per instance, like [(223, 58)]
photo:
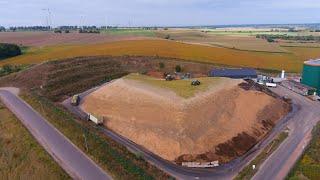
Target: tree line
[(273, 38)]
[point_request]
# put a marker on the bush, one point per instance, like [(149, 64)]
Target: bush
[(58, 31), (178, 68), (9, 50), (167, 36), (270, 40), (66, 31), (161, 65)]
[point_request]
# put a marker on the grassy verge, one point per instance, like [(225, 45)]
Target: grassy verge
[(248, 172), (9, 69), (21, 157), (112, 157), (182, 88), (308, 167)]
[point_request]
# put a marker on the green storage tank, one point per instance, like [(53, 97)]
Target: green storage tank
[(311, 74)]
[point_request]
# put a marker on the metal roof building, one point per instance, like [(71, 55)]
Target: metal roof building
[(240, 73)]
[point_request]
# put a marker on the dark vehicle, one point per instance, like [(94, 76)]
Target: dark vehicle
[(169, 77), (195, 83)]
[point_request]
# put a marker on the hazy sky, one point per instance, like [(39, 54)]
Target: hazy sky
[(158, 12)]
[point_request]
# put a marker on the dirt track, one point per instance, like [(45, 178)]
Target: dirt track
[(182, 129)]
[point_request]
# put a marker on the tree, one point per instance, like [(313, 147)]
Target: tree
[(9, 50), (178, 68)]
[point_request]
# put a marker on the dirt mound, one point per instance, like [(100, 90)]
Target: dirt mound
[(192, 129)]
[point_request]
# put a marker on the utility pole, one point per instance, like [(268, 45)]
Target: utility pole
[(48, 17)]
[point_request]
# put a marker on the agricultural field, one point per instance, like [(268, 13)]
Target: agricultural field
[(185, 44), (168, 49), (131, 32), (160, 115), (308, 167), (21, 157), (255, 31), (41, 39), (244, 42)]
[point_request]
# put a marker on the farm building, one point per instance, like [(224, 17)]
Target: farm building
[(311, 74), (240, 73)]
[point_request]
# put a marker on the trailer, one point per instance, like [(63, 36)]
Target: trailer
[(271, 85), (97, 121)]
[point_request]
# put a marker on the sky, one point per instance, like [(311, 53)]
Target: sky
[(157, 12)]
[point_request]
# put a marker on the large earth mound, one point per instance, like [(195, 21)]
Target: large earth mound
[(219, 120)]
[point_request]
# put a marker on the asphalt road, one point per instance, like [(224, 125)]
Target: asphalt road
[(278, 165), (300, 121), (69, 157)]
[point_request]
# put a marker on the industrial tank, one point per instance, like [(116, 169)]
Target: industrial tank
[(311, 74)]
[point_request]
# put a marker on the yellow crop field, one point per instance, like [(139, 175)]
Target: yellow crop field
[(305, 53), (163, 48)]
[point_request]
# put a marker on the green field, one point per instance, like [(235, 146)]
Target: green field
[(21, 157), (129, 32), (182, 88), (308, 167), (251, 33)]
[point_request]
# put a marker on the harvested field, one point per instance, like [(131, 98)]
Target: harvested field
[(180, 128), (39, 39), (168, 49), (249, 43)]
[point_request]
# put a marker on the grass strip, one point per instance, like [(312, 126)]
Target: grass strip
[(248, 172), (21, 157)]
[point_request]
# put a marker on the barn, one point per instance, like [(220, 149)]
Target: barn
[(235, 73)]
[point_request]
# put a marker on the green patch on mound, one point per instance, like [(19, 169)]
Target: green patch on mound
[(182, 88)]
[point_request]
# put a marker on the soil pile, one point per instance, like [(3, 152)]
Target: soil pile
[(220, 124)]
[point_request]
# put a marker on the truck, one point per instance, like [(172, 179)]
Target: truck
[(272, 85), (75, 100), (97, 121)]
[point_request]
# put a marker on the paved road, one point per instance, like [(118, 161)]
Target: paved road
[(69, 157), (278, 165), (304, 112)]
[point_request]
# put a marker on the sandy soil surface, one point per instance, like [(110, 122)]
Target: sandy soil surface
[(174, 127), (39, 39)]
